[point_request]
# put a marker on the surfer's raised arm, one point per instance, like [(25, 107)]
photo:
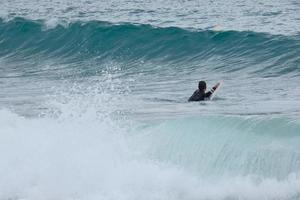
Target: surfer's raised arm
[(213, 89)]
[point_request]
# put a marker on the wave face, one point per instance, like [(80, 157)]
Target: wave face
[(256, 52), (97, 110)]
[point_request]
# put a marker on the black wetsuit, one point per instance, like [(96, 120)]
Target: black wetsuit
[(201, 95)]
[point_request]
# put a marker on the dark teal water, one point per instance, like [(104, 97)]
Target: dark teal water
[(265, 54)]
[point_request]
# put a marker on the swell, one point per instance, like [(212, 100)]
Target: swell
[(229, 51)]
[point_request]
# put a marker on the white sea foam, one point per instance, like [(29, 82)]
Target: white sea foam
[(82, 154), (51, 23)]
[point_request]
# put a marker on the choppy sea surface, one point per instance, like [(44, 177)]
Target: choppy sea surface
[(93, 100)]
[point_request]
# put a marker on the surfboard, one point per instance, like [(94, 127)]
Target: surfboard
[(216, 91)]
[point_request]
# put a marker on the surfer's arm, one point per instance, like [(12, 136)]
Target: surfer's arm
[(209, 93)]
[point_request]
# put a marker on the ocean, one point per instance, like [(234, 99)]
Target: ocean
[(93, 100)]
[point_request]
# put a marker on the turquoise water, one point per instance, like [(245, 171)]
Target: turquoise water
[(93, 100)]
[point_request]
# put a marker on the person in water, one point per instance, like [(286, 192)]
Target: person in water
[(200, 94)]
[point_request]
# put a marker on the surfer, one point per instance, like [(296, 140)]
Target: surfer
[(200, 94)]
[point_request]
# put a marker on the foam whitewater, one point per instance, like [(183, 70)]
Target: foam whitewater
[(94, 156)]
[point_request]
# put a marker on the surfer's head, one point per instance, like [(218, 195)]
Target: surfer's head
[(202, 85)]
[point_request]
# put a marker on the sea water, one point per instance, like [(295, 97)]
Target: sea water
[(93, 100)]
